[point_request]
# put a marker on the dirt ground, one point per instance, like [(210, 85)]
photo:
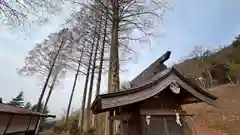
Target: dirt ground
[(207, 131), (224, 119)]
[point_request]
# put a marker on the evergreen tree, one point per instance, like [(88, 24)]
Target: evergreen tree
[(18, 101), (1, 100), (34, 108), (28, 105)]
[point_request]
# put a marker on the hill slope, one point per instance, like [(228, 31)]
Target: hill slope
[(213, 67), (225, 118)]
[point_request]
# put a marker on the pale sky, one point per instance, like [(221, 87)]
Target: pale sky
[(189, 23)]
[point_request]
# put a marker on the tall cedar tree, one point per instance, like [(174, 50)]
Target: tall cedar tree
[(96, 121), (86, 83), (74, 83), (79, 34), (89, 120), (61, 44), (49, 60)]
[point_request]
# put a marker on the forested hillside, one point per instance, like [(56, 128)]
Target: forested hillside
[(212, 68)]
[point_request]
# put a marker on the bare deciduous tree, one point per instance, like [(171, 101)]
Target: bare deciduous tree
[(16, 12), (50, 60)]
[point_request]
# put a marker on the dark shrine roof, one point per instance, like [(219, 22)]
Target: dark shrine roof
[(9, 109), (149, 89), (156, 67)]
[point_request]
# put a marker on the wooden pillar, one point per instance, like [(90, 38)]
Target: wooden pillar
[(36, 126), (8, 124), (124, 127), (238, 80), (165, 126), (124, 119), (111, 126), (29, 123), (134, 124)]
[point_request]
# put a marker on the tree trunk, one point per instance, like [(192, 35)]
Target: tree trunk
[(49, 75), (74, 85), (88, 116), (211, 81), (81, 121), (230, 80), (46, 82), (89, 121), (47, 99), (96, 118), (113, 75), (50, 92), (101, 57)]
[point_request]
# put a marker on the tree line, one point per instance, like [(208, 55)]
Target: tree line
[(19, 101)]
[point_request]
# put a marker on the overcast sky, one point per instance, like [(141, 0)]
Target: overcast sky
[(209, 23)]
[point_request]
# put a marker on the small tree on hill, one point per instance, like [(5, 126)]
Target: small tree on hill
[(18, 101), (35, 108), (28, 105)]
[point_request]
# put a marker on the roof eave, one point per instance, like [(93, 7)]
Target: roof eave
[(194, 85), (29, 114), (97, 102)]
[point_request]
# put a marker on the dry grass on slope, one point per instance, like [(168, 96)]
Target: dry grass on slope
[(225, 117)]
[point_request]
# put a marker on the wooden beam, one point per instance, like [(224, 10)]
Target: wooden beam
[(162, 112), (120, 117)]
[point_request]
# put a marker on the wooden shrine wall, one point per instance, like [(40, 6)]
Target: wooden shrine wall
[(159, 124)]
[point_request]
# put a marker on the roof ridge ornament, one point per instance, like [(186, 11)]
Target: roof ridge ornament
[(175, 88), (164, 57)]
